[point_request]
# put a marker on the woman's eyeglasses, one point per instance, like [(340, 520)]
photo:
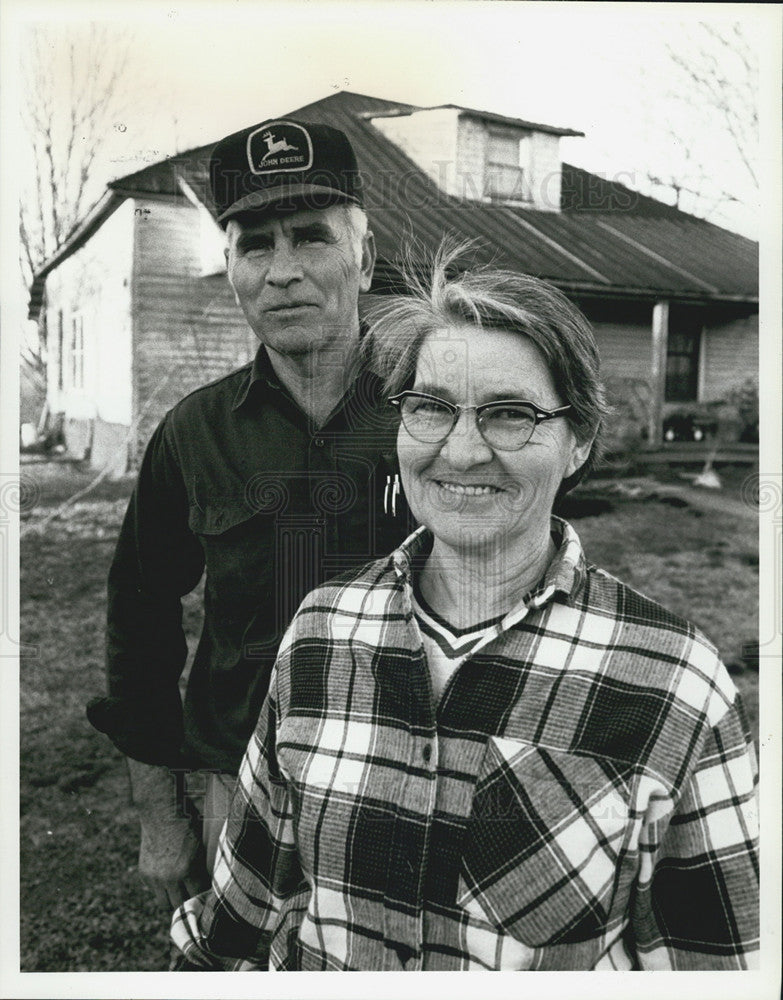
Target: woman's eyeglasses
[(506, 425)]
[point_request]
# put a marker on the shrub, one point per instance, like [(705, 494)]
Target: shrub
[(746, 400)]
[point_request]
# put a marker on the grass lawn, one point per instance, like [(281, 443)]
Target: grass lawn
[(82, 906)]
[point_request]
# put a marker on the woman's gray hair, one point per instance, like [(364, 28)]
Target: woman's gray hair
[(481, 296)]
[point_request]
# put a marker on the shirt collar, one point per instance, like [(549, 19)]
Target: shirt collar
[(414, 548), (367, 386), (260, 371), (565, 574)]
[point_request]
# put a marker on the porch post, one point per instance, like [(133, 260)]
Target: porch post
[(660, 336)]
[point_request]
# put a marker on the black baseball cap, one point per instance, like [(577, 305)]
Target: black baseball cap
[(285, 164)]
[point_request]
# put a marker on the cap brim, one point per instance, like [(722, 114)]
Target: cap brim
[(298, 195)]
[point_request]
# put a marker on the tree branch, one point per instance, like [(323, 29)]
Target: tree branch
[(71, 86)]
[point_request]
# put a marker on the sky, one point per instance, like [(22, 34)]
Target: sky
[(197, 71)]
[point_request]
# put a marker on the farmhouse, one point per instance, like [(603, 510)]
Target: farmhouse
[(136, 309)]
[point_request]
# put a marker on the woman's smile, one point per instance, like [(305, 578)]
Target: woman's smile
[(467, 489)]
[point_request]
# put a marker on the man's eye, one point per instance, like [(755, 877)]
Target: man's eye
[(254, 248)]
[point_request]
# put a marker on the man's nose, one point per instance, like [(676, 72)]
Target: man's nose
[(284, 267), (465, 446)]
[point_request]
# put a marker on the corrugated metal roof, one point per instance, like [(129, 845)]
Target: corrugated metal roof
[(606, 239), (588, 243)]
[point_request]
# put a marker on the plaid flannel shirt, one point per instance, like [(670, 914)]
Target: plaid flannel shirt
[(582, 797)]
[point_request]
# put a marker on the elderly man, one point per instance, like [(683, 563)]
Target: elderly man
[(272, 479)]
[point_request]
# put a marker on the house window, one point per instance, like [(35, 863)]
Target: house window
[(682, 358), (76, 352), (505, 176)]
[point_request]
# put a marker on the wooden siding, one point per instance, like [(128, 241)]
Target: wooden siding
[(626, 367), (94, 283), (188, 329), (730, 356), (626, 350)]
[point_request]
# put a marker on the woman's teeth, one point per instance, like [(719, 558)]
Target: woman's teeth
[(469, 491)]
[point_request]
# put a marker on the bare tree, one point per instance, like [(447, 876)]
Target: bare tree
[(71, 80), (713, 88)]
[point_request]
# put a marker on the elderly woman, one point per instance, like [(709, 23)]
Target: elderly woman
[(482, 752)]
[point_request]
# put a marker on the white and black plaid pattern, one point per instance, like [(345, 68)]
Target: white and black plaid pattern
[(584, 797)]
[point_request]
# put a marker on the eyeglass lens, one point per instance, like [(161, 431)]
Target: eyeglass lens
[(505, 426)]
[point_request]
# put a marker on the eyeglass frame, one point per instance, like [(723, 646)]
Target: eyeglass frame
[(539, 414)]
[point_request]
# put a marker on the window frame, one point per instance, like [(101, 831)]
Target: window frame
[(684, 386), (518, 192)]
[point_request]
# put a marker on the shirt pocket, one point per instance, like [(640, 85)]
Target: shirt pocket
[(217, 517), (239, 551), (543, 843)]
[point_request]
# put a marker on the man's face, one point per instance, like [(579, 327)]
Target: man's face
[(298, 276)]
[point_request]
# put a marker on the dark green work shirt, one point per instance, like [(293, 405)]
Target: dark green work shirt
[(237, 480)]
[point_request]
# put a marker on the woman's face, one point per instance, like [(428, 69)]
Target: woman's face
[(465, 492)]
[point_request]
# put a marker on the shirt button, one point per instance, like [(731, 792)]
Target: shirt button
[(319, 442), (426, 751)]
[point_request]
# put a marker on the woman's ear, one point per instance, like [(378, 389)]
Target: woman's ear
[(579, 455)]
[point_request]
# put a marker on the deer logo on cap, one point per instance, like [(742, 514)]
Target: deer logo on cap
[(288, 148), (275, 145)]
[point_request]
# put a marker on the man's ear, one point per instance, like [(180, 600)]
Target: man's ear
[(367, 263), (227, 255), (231, 284)]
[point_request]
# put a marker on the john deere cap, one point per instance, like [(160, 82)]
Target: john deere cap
[(285, 163)]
